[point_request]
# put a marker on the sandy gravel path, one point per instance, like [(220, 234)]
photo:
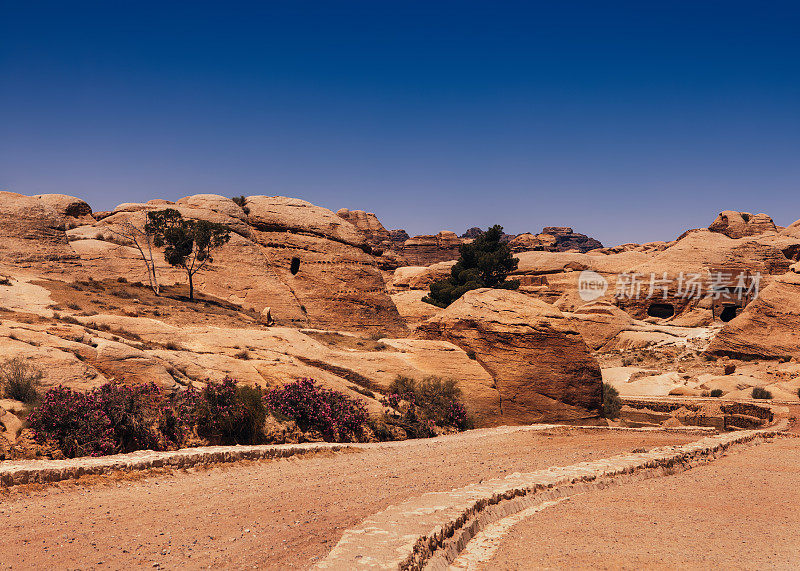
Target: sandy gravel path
[(738, 512), (276, 514)]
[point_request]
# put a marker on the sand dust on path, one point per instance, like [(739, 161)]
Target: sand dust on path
[(276, 514), (738, 512)]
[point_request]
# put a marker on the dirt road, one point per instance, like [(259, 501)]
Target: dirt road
[(274, 514), (738, 512)]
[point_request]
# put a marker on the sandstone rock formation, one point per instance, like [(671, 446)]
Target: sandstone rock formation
[(336, 283), (385, 245), (420, 277), (554, 277), (599, 322), (740, 224), (541, 366), (89, 351), (550, 239), (427, 250), (398, 237), (567, 240), (769, 327), (528, 242), (32, 231), (411, 307), (368, 224), (472, 233)]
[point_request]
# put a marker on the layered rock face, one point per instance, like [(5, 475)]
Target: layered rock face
[(86, 356), (397, 249), (769, 327), (599, 322), (554, 239), (528, 242), (383, 243), (398, 237), (369, 225), (427, 250), (540, 364), (33, 231), (740, 224)]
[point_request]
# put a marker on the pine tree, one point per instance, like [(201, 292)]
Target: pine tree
[(485, 262)]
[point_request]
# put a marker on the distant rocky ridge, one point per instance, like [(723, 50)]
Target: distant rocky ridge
[(740, 224), (428, 249)]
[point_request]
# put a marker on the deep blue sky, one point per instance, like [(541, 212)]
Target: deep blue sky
[(630, 121)]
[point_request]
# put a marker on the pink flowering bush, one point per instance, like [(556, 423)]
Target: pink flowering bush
[(111, 419), (337, 417), (117, 418), (132, 411)]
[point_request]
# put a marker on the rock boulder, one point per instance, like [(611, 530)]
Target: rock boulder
[(740, 224), (541, 365)]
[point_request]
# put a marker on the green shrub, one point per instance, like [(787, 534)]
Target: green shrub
[(761, 393), (20, 380), (715, 393), (251, 400), (405, 387), (229, 414), (380, 429), (611, 402), (425, 405)]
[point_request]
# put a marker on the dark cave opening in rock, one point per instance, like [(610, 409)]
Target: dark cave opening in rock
[(295, 266), (728, 313), (661, 310)]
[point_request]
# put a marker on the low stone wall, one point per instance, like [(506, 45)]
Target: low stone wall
[(43, 471), (15, 472), (720, 414), (431, 530)]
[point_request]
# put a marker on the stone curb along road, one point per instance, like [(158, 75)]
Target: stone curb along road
[(43, 471), (431, 530)]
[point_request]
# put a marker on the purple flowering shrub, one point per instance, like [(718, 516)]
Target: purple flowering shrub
[(107, 420), (337, 417), (132, 411), (117, 418)]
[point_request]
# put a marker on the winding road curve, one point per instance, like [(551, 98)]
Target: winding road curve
[(285, 513)]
